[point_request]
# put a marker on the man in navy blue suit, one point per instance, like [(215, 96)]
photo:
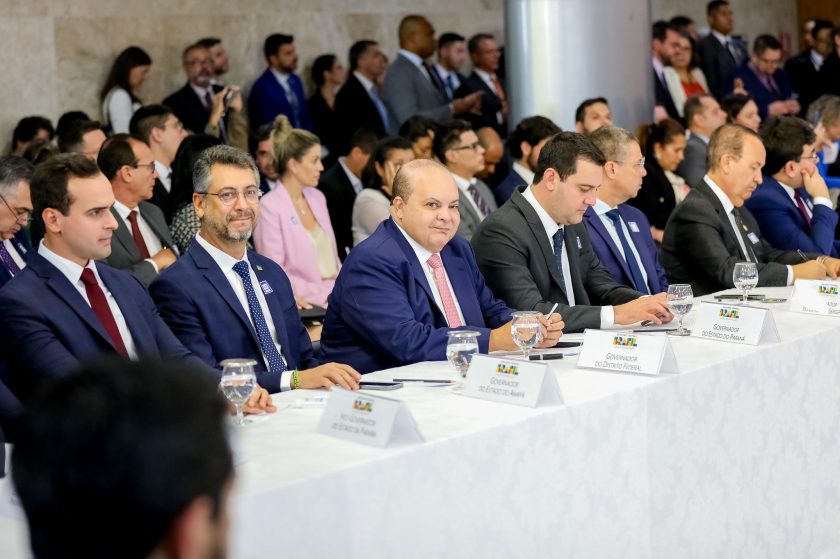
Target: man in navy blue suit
[(792, 205), (279, 90), (15, 214), (765, 79), (223, 301), (619, 233), (402, 290), (524, 145)]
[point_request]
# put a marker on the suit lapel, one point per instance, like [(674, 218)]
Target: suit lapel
[(573, 242), (134, 320), (598, 226), (466, 208), (780, 193), (723, 217), (537, 229), (124, 237), (639, 241), (464, 292), (414, 263)]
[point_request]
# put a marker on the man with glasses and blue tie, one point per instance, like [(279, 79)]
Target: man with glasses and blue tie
[(223, 301), (15, 215)]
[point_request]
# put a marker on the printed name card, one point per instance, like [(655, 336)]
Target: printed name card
[(623, 352), (366, 419), (738, 324), (816, 297), (512, 381)]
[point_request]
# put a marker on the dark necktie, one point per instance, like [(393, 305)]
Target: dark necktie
[(558, 257), (208, 101), (742, 231), (435, 78), (7, 259), (635, 271), (275, 360), (733, 52), (100, 307), (450, 86), (138, 237), (800, 203), (483, 206)]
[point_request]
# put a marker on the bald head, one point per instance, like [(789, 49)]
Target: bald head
[(417, 35), (411, 172), (494, 150), (425, 203)]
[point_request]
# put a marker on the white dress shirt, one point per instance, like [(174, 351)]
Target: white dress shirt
[(601, 208), (526, 174), (817, 60), (551, 227), (165, 175), (488, 79), (354, 180), (816, 200), (151, 239), (423, 256), (464, 186), (202, 94), (13, 252), (73, 273), (444, 73), (226, 262)]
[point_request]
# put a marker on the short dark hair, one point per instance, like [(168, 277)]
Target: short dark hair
[(273, 43), (819, 25), (147, 118), (123, 446), (39, 150), (380, 154), (580, 112), (67, 119), (562, 152), (661, 28), (117, 152), (357, 50), (448, 38), (183, 167), (448, 136), (323, 63), (74, 136), (13, 169), (365, 139), (713, 6), (417, 127), (681, 22), (693, 106), (50, 179), (531, 130), (27, 128), (783, 138), (208, 42), (766, 42), (475, 41)]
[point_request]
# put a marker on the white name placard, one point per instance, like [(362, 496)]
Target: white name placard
[(626, 352), (512, 381), (816, 297), (366, 419), (738, 324)]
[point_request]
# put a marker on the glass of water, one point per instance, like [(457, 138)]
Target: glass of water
[(680, 300), (745, 277), (526, 330), (238, 383), (460, 348)]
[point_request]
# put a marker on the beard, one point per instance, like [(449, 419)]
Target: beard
[(223, 231)]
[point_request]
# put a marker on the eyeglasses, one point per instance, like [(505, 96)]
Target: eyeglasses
[(22, 216), (177, 125), (229, 196), (638, 165), (149, 166), (474, 146), (809, 158)]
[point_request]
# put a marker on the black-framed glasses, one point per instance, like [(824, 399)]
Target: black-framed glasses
[(149, 166), (229, 196), (21, 215)]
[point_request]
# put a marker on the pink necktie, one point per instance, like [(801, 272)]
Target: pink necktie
[(449, 308)]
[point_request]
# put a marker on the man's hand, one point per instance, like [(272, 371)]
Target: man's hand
[(164, 258), (501, 339), (653, 308), (813, 269), (259, 402), (330, 374), (551, 331), (302, 303), (832, 267), (815, 184), (469, 104)]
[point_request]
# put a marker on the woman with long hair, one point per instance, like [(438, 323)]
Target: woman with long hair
[(118, 95), (683, 77)]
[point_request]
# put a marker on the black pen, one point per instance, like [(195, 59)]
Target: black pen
[(545, 356), (426, 380)]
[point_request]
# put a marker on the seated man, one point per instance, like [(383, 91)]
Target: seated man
[(82, 136), (710, 231), (534, 251), (404, 288), (765, 80), (703, 116), (15, 214), (223, 301), (524, 145), (792, 207), (136, 451), (620, 234)]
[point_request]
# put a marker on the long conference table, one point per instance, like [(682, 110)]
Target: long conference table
[(735, 456)]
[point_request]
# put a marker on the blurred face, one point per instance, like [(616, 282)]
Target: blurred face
[(265, 161), (670, 154), (807, 165), (91, 143), (531, 154), (337, 74), (137, 75), (487, 56), (822, 44), (224, 223), (682, 53), (665, 50), (712, 117), (467, 158), (453, 55), (630, 172), (595, 116), (199, 67), (430, 216), (422, 147), (372, 62), (307, 169), (170, 136), (741, 176), (395, 160), (721, 20), (16, 212), (768, 61), (424, 40), (142, 177), (806, 32), (493, 154), (567, 201), (286, 59), (219, 57), (749, 117)]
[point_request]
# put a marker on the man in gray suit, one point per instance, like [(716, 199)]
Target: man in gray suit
[(413, 88), (535, 251), (143, 245), (456, 145), (703, 116)]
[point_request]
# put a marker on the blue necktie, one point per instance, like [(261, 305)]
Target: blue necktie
[(275, 360), (558, 256), (450, 86), (291, 97), (629, 257), (380, 107)]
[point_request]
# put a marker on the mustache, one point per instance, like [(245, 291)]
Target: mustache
[(241, 214)]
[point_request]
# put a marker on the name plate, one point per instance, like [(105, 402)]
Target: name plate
[(624, 352), (738, 324), (816, 297), (365, 419), (511, 381)]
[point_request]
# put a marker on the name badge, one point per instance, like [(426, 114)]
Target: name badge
[(633, 227), (366, 419), (512, 381), (753, 238), (624, 352), (816, 297), (266, 288), (738, 324)]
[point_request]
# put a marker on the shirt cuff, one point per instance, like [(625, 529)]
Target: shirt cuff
[(285, 381), (152, 262), (823, 202), (607, 317), (790, 275)]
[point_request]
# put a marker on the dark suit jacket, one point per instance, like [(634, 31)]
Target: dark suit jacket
[(517, 259), (762, 96), (195, 299), (610, 256), (48, 339), (21, 244), (340, 196), (461, 78), (700, 246), (512, 182), (656, 198), (693, 167), (382, 312), (804, 79), (268, 99), (355, 109), (663, 98), (829, 76), (124, 253), (324, 123), (717, 62), (408, 92), (189, 108), (160, 198), (784, 226), (490, 104)]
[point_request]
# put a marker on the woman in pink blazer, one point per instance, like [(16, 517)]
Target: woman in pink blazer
[(294, 228)]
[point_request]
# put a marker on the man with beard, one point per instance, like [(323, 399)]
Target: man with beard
[(223, 301), (196, 102)]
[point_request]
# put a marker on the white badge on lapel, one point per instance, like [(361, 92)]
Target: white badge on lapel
[(633, 227), (266, 288), (753, 237), (580, 245)]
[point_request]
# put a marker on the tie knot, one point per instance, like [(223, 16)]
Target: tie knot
[(241, 268), (797, 193), (558, 237), (88, 278), (614, 215), (435, 262), (132, 216)]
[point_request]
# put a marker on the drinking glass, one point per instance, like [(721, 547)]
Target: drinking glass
[(526, 330), (680, 301), (238, 382), (745, 277), (460, 348)]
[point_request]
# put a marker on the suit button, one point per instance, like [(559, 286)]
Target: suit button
[(661, 200)]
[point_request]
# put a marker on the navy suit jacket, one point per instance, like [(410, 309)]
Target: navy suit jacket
[(21, 244), (196, 300), (268, 99), (783, 225), (610, 256), (48, 327), (382, 312), (511, 182), (762, 96)]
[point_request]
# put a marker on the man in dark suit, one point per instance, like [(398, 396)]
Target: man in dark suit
[(720, 52), (406, 287), (703, 116), (793, 207), (524, 145), (619, 233), (193, 103), (804, 69), (15, 214), (224, 301), (534, 251), (451, 55), (279, 90), (143, 243), (710, 231), (485, 53), (764, 79), (663, 45)]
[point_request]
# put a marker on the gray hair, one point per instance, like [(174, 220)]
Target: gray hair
[(220, 155), (612, 141), (13, 169)]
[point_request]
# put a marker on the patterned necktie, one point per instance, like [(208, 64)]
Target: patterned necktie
[(558, 256), (449, 307), (742, 230), (800, 203), (629, 257), (479, 200), (138, 237), (276, 364), (7, 259), (99, 305)]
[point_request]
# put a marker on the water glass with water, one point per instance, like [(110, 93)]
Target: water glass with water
[(745, 277), (238, 383), (526, 329), (460, 348), (680, 300)]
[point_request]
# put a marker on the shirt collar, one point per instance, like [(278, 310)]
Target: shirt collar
[(442, 71), (70, 270), (658, 67), (721, 37), (548, 223), (817, 59), (422, 254), (123, 210), (463, 183), (412, 57), (366, 83), (601, 207), (222, 259), (526, 174), (279, 76), (354, 180), (201, 91), (728, 206), (162, 170), (789, 189), (700, 136), (486, 76)]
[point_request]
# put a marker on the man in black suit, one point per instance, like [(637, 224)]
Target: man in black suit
[(663, 44), (534, 251), (451, 55), (485, 53), (710, 231), (193, 103), (720, 52), (803, 70)]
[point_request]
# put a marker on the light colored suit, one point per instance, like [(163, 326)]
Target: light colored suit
[(469, 217), (408, 92)]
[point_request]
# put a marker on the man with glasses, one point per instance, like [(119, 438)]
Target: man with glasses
[(223, 301), (765, 80), (15, 215), (143, 244)]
